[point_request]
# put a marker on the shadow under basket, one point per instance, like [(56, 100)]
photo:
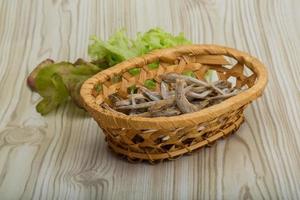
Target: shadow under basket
[(160, 138)]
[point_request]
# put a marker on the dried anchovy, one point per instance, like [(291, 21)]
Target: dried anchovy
[(172, 77), (161, 105), (133, 103), (183, 104), (114, 98), (164, 90), (224, 96), (222, 84), (133, 100), (137, 96), (201, 104), (141, 105), (125, 102), (199, 89), (202, 95), (151, 95)]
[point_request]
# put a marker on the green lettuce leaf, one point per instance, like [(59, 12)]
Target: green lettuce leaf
[(119, 47), (57, 82), (150, 84)]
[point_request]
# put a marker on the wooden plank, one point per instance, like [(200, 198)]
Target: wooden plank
[(64, 156)]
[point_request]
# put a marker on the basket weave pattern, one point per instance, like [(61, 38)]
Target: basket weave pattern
[(156, 139)]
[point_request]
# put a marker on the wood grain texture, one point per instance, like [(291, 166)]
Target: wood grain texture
[(64, 156)]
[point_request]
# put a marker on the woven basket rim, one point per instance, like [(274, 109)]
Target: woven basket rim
[(209, 113)]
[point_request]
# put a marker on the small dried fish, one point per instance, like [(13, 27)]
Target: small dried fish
[(141, 100), (202, 95), (199, 89), (133, 100), (188, 88), (133, 103), (172, 93), (226, 90), (114, 98), (224, 96), (201, 104), (164, 90), (137, 96), (183, 104), (215, 88), (154, 96), (141, 105), (125, 102), (172, 77), (222, 84), (161, 105)]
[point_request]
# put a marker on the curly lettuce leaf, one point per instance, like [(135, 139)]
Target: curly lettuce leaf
[(56, 82), (32, 76), (119, 47), (54, 94)]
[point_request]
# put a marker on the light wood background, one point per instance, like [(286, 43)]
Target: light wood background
[(64, 156)]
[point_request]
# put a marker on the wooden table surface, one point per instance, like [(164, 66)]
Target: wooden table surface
[(64, 155)]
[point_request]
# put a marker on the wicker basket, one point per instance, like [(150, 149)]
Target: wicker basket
[(157, 139)]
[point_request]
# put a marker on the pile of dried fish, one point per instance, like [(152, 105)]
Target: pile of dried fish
[(178, 94)]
